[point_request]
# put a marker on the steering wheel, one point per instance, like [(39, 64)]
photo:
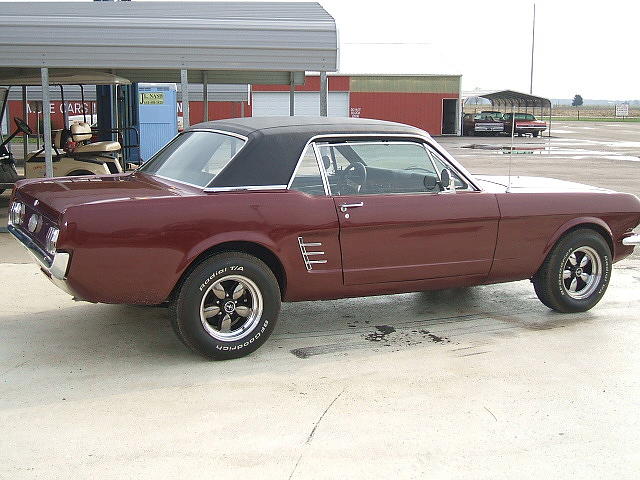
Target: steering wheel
[(22, 126), (354, 177)]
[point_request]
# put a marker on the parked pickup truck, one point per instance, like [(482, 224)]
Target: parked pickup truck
[(524, 123), (482, 123)]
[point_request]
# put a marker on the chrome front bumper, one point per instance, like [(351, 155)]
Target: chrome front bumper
[(632, 240), (55, 268)]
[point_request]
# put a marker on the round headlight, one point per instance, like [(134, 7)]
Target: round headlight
[(51, 240), (16, 213)]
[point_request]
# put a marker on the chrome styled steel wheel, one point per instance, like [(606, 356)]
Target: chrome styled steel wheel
[(227, 305), (582, 272), (576, 272), (231, 308)]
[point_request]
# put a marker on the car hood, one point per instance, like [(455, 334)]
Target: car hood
[(500, 184), (55, 195)]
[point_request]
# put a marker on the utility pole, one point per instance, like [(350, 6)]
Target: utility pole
[(533, 44)]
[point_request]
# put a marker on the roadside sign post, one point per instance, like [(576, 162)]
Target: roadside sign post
[(622, 110)]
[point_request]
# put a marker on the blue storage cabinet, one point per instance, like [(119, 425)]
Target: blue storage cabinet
[(158, 113)]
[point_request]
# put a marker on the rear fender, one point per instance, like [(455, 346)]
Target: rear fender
[(226, 237)]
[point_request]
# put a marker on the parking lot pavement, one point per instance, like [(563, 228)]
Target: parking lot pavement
[(602, 154), (472, 383)]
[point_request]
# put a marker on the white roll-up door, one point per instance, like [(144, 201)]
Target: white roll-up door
[(306, 103)]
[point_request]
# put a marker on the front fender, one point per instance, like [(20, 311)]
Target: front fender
[(575, 222)]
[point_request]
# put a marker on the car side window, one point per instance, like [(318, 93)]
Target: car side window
[(378, 167), (441, 164), (307, 178)]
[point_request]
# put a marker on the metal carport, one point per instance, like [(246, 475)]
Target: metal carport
[(505, 99), (203, 42)]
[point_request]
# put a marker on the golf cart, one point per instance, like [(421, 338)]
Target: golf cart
[(74, 153)]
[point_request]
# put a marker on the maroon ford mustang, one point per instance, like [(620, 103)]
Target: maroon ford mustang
[(232, 217)]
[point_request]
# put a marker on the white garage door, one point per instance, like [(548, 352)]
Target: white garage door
[(306, 103)]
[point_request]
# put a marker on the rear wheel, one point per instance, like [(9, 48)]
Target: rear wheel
[(227, 306), (576, 273)]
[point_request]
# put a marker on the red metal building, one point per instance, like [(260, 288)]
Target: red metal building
[(430, 102)]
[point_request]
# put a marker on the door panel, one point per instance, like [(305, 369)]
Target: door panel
[(405, 237)]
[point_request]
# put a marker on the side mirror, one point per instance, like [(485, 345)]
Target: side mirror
[(430, 183), (446, 180)]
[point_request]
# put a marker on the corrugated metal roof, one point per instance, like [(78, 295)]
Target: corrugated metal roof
[(516, 99), (252, 37)]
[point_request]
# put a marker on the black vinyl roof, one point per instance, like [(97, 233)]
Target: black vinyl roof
[(276, 143)]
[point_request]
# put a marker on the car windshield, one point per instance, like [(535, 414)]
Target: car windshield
[(194, 157), (524, 116)]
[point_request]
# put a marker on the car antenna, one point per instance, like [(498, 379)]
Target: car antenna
[(513, 131)]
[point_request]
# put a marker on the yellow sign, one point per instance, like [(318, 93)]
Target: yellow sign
[(154, 98)]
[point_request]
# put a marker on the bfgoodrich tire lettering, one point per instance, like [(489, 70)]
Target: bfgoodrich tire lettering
[(227, 306), (576, 273)]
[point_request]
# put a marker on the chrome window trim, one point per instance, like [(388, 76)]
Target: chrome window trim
[(245, 187), (455, 170), (317, 145), (425, 139), (209, 130), (323, 171), (380, 142), (299, 162), (214, 130)]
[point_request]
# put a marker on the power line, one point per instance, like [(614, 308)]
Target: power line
[(386, 43)]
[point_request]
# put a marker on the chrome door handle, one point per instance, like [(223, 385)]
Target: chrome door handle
[(344, 206)]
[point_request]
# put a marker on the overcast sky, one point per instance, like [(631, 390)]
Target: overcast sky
[(584, 47)]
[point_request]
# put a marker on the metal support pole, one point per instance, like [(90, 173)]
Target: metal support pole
[(116, 112), (513, 132), (25, 117), (292, 94), (65, 110), (46, 110), (84, 110), (324, 94), (533, 45), (184, 80), (205, 95)]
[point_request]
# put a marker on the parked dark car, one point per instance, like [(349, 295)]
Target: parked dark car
[(483, 123), (524, 123), (234, 216)]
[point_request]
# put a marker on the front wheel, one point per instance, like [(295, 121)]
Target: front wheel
[(227, 306), (576, 273)]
